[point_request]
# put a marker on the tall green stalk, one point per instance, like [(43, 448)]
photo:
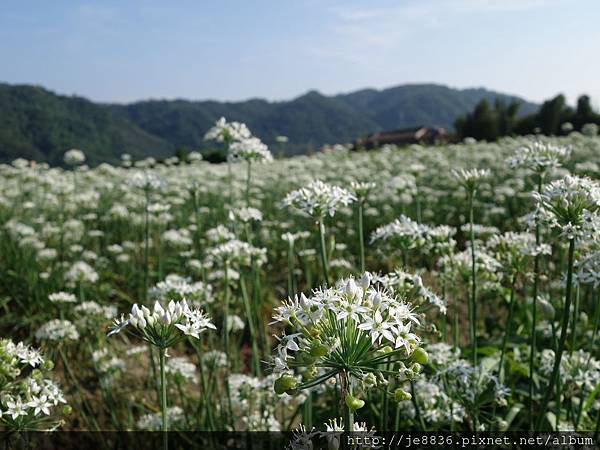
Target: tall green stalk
[(323, 249), (361, 236), (146, 242), (163, 390), (563, 336), (507, 328), (291, 290), (536, 281), (473, 298)]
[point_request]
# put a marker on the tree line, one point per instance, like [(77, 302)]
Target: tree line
[(491, 121)]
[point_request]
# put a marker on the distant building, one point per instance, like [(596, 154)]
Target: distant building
[(406, 136)]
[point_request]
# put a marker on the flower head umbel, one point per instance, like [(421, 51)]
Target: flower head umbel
[(570, 204), (227, 132), (362, 189), (164, 327), (29, 400), (539, 157), (74, 157), (319, 199), (403, 233), (470, 179), (350, 330), (249, 149)]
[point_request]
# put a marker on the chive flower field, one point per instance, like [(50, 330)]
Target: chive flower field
[(432, 288)]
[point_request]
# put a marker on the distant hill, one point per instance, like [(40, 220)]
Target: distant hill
[(38, 124)]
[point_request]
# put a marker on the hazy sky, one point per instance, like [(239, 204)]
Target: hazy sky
[(230, 50)]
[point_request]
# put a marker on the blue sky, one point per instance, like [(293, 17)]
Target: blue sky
[(231, 50)]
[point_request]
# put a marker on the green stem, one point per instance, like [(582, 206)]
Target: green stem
[(536, 280), (575, 316), (473, 303), (361, 237), (563, 336), (415, 403), (253, 336), (323, 252), (163, 389), (507, 329), (146, 244), (291, 292), (349, 414)]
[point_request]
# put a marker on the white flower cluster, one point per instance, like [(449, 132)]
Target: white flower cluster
[(362, 189), (570, 204), (236, 252), (402, 232), (539, 156), (74, 157), (579, 370), (256, 405), (181, 368), (57, 330), (409, 285), (27, 399), (470, 178), (178, 288), (153, 421), (318, 199), (246, 215), (374, 313), (228, 132), (62, 297), (164, 327), (250, 149), (81, 272), (145, 179)]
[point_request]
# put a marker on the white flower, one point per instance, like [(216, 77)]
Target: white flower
[(40, 404), (16, 408), (318, 199), (74, 157)]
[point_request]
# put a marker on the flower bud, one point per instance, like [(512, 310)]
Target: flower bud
[(385, 350), (401, 394), (419, 355), (284, 383), (66, 410), (365, 280), (318, 349), (304, 358), (370, 380), (354, 403), (351, 288), (310, 373), (47, 365)]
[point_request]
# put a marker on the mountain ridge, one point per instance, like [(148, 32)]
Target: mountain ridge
[(36, 123)]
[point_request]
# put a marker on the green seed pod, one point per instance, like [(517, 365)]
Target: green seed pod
[(318, 349), (310, 373), (66, 410), (284, 383), (401, 394), (420, 356), (354, 403), (416, 368), (47, 365), (305, 359), (370, 380), (385, 350)]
